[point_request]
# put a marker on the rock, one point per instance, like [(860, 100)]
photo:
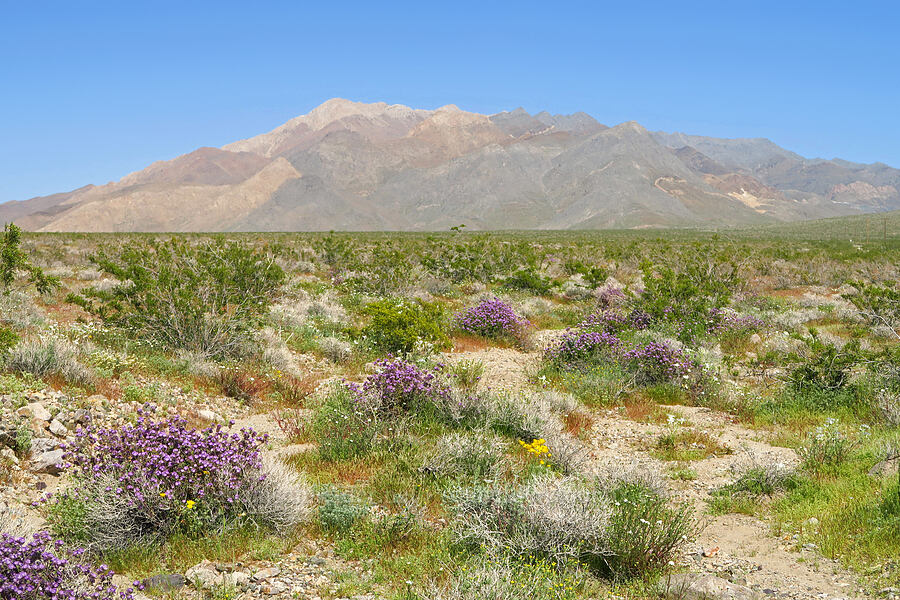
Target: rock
[(9, 456), (58, 429), (165, 583), (82, 416), (35, 410), (43, 444), (236, 579), (208, 415), (692, 586), (203, 575), (48, 462), (276, 587), (267, 573), (886, 468)]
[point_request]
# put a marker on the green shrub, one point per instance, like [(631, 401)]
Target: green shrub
[(8, 339), (644, 532), (828, 367), (343, 427), (401, 326), (528, 280), (15, 263), (686, 298), (339, 511), (205, 298)]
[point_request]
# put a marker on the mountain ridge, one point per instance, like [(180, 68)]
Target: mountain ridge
[(378, 166)]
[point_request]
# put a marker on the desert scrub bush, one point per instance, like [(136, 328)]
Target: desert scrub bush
[(15, 264), (402, 326), (343, 426), (40, 567), (8, 339), (504, 578), (624, 531), (879, 304), (828, 367), (494, 319), (658, 362), (528, 280), (560, 519), (687, 299), (205, 298), (579, 349), (49, 355), (145, 482), (477, 454)]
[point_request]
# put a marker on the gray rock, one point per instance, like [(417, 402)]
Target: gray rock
[(48, 462), (82, 416), (43, 444), (692, 586), (58, 429), (203, 575), (174, 581), (35, 410), (267, 573)]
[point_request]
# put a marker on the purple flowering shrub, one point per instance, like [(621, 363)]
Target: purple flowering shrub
[(494, 319), (656, 362), (728, 322), (398, 387), (579, 347), (158, 477), (42, 568)]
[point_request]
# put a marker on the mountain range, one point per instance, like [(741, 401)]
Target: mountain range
[(354, 166)]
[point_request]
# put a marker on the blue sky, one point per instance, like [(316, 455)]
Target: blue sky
[(90, 91)]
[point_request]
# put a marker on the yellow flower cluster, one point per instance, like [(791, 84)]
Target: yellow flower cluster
[(538, 447), (190, 504)]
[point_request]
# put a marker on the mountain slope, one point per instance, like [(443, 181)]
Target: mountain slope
[(356, 166)]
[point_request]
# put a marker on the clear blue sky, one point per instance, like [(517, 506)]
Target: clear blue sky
[(90, 91)]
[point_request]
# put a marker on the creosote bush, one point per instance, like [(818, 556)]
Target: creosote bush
[(401, 326), (205, 298), (144, 482)]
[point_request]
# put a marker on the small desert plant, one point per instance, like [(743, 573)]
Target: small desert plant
[(403, 326), (467, 373), (339, 511), (644, 532), (828, 445), (344, 426), (504, 578), (561, 519), (578, 348), (750, 486), (8, 339), (399, 387)]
